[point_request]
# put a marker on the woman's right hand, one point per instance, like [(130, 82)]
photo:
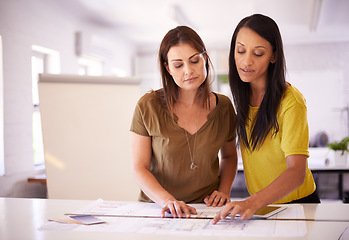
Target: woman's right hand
[(244, 208), (177, 209)]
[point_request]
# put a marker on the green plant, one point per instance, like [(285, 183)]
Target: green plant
[(340, 146), (223, 78)]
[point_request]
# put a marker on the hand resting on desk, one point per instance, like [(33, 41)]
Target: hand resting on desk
[(217, 199), (177, 209), (181, 209)]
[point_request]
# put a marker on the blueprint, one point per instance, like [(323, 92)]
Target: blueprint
[(137, 217)]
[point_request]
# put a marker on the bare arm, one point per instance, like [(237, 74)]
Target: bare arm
[(141, 156), (227, 171), (288, 181)]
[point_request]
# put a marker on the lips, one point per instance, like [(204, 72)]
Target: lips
[(189, 79), (246, 70)]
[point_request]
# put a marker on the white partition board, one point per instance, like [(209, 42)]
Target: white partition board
[(85, 124)]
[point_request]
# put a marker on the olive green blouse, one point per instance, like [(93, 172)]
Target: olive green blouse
[(170, 162)]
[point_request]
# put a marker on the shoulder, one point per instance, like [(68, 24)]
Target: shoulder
[(222, 99), (149, 104), (224, 106), (149, 99), (293, 97), (149, 96)]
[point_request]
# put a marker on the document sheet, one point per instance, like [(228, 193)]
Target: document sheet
[(137, 217)]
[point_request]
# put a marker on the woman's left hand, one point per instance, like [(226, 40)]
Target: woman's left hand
[(217, 199)]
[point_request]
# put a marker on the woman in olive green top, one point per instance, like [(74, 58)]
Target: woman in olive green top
[(178, 131)]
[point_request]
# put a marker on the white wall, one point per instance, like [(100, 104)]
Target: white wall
[(48, 24), (318, 70), (312, 68), (2, 156)]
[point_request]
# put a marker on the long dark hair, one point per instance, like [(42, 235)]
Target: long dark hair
[(176, 36), (266, 118)]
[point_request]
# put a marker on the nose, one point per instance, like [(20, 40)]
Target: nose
[(188, 69), (248, 60)]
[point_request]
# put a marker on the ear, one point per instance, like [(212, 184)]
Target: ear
[(273, 58), (167, 68)]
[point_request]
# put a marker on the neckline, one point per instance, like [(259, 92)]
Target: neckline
[(209, 117), (288, 88)]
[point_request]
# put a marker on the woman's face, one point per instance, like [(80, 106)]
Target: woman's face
[(187, 66), (253, 54)]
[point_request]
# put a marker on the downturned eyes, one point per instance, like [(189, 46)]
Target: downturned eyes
[(178, 66), (192, 61), (257, 54)]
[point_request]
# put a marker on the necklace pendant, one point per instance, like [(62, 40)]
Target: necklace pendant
[(192, 166)]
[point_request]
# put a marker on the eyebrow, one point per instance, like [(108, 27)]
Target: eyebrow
[(255, 47), (174, 60)]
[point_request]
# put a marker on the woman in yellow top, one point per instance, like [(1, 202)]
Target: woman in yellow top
[(177, 131), (271, 121)]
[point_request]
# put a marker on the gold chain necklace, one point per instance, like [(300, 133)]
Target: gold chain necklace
[(192, 156)]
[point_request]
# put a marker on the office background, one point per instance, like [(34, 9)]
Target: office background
[(317, 65)]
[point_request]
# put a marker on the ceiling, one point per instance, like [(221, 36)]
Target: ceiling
[(145, 22)]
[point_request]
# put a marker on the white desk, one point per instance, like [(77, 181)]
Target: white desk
[(22, 218)]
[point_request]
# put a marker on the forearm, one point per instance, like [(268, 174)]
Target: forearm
[(287, 182), (228, 167), (228, 171), (141, 157), (151, 187)]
